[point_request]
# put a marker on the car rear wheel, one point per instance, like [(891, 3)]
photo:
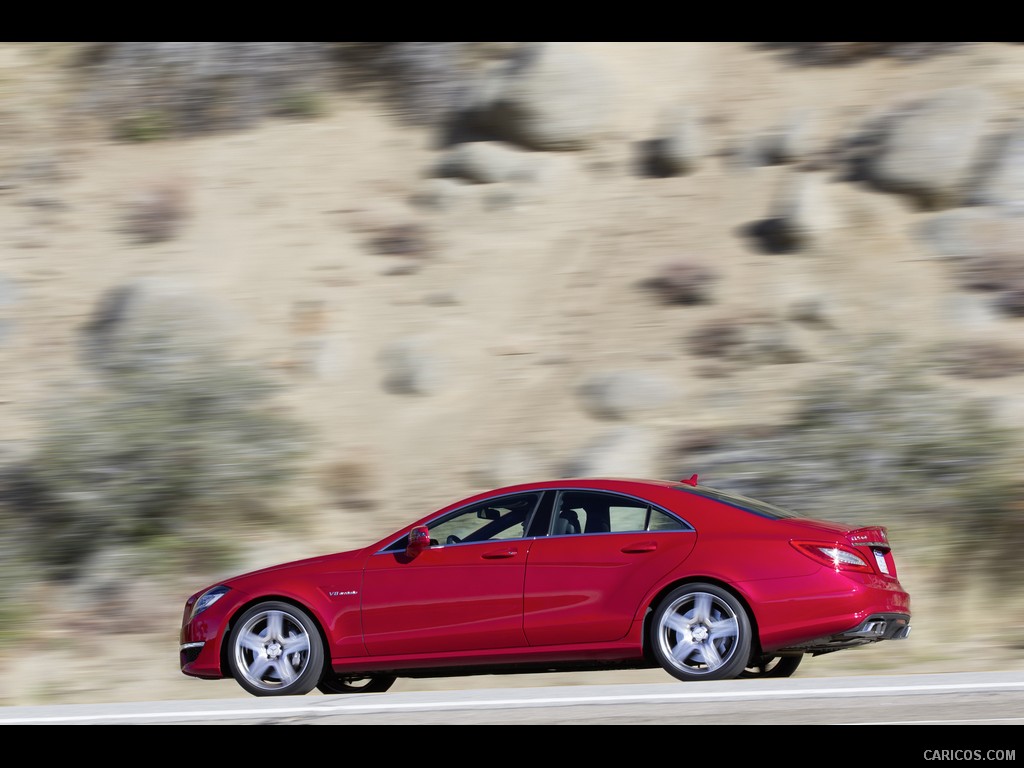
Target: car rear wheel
[(701, 632), (275, 649), (773, 666), (332, 683)]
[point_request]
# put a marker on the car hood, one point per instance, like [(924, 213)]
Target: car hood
[(335, 561)]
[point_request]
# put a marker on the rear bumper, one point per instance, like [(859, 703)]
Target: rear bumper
[(873, 629)]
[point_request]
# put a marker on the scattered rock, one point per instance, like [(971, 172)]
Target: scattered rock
[(489, 162), (801, 215), (441, 194), (623, 394), (625, 452), (409, 367), (679, 146)]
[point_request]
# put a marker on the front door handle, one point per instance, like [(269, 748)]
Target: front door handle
[(498, 554)]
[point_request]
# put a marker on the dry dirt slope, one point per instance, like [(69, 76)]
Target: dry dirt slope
[(519, 292)]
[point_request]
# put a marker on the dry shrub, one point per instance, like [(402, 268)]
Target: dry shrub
[(752, 340), (683, 281), (157, 212), (1011, 302), (989, 272), (980, 359), (411, 240), (877, 441), (348, 484), (836, 53)]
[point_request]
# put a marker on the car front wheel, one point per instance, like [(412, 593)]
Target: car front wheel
[(332, 683), (701, 632), (275, 649)]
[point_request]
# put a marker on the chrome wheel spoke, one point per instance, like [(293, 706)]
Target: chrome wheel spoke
[(702, 607), (711, 655), (723, 628), (295, 644), (285, 671), (275, 625), (252, 642), (258, 667), (677, 623), (683, 649)]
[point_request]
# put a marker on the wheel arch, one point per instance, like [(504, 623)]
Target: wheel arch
[(659, 596), (225, 649)]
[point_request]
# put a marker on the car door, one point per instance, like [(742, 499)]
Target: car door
[(585, 582), (466, 595)]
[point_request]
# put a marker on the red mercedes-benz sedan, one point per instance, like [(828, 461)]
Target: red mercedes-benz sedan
[(572, 574)]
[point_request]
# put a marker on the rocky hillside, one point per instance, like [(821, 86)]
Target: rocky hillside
[(795, 272)]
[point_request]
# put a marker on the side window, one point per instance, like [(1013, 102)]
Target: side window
[(495, 519), (636, 516), (627, 517), (595, 512), (662, 521)]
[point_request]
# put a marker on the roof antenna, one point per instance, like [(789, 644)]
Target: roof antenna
[(692, 480)]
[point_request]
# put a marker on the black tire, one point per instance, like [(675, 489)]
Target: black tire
[(275, 649), (773, 666), (333, 683), (701, 632)]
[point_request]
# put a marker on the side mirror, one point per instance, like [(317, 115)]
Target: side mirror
[(419, 539)]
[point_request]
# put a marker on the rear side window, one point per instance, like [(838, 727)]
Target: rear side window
[(595, 512)]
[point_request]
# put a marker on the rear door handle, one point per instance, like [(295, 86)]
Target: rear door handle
[(642, 546)]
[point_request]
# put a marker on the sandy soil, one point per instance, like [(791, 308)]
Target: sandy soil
[(525, 291)]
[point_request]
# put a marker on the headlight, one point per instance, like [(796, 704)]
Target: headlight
[(208, 598)]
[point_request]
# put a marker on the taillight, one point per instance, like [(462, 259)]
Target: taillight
[(833, 555)]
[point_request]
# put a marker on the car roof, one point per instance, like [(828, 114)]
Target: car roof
[(620, 484)]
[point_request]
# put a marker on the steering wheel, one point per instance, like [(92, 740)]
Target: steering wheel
[(452, 539)]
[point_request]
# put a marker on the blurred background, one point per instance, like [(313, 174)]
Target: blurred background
[(262, 301)]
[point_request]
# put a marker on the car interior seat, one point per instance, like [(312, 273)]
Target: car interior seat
[(598, 520), (568, 522)]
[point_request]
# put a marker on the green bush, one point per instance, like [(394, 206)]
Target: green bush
[(152, 91), (880, 442), (163, 446)]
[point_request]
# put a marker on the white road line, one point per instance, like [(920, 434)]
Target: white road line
[(356, 708)]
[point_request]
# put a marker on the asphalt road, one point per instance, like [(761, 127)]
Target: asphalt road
[(965, 699)]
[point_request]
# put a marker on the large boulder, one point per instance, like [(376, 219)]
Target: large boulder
[(1002, 182), (621, 394), (157, 323), (931, 150), (553, 98)]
